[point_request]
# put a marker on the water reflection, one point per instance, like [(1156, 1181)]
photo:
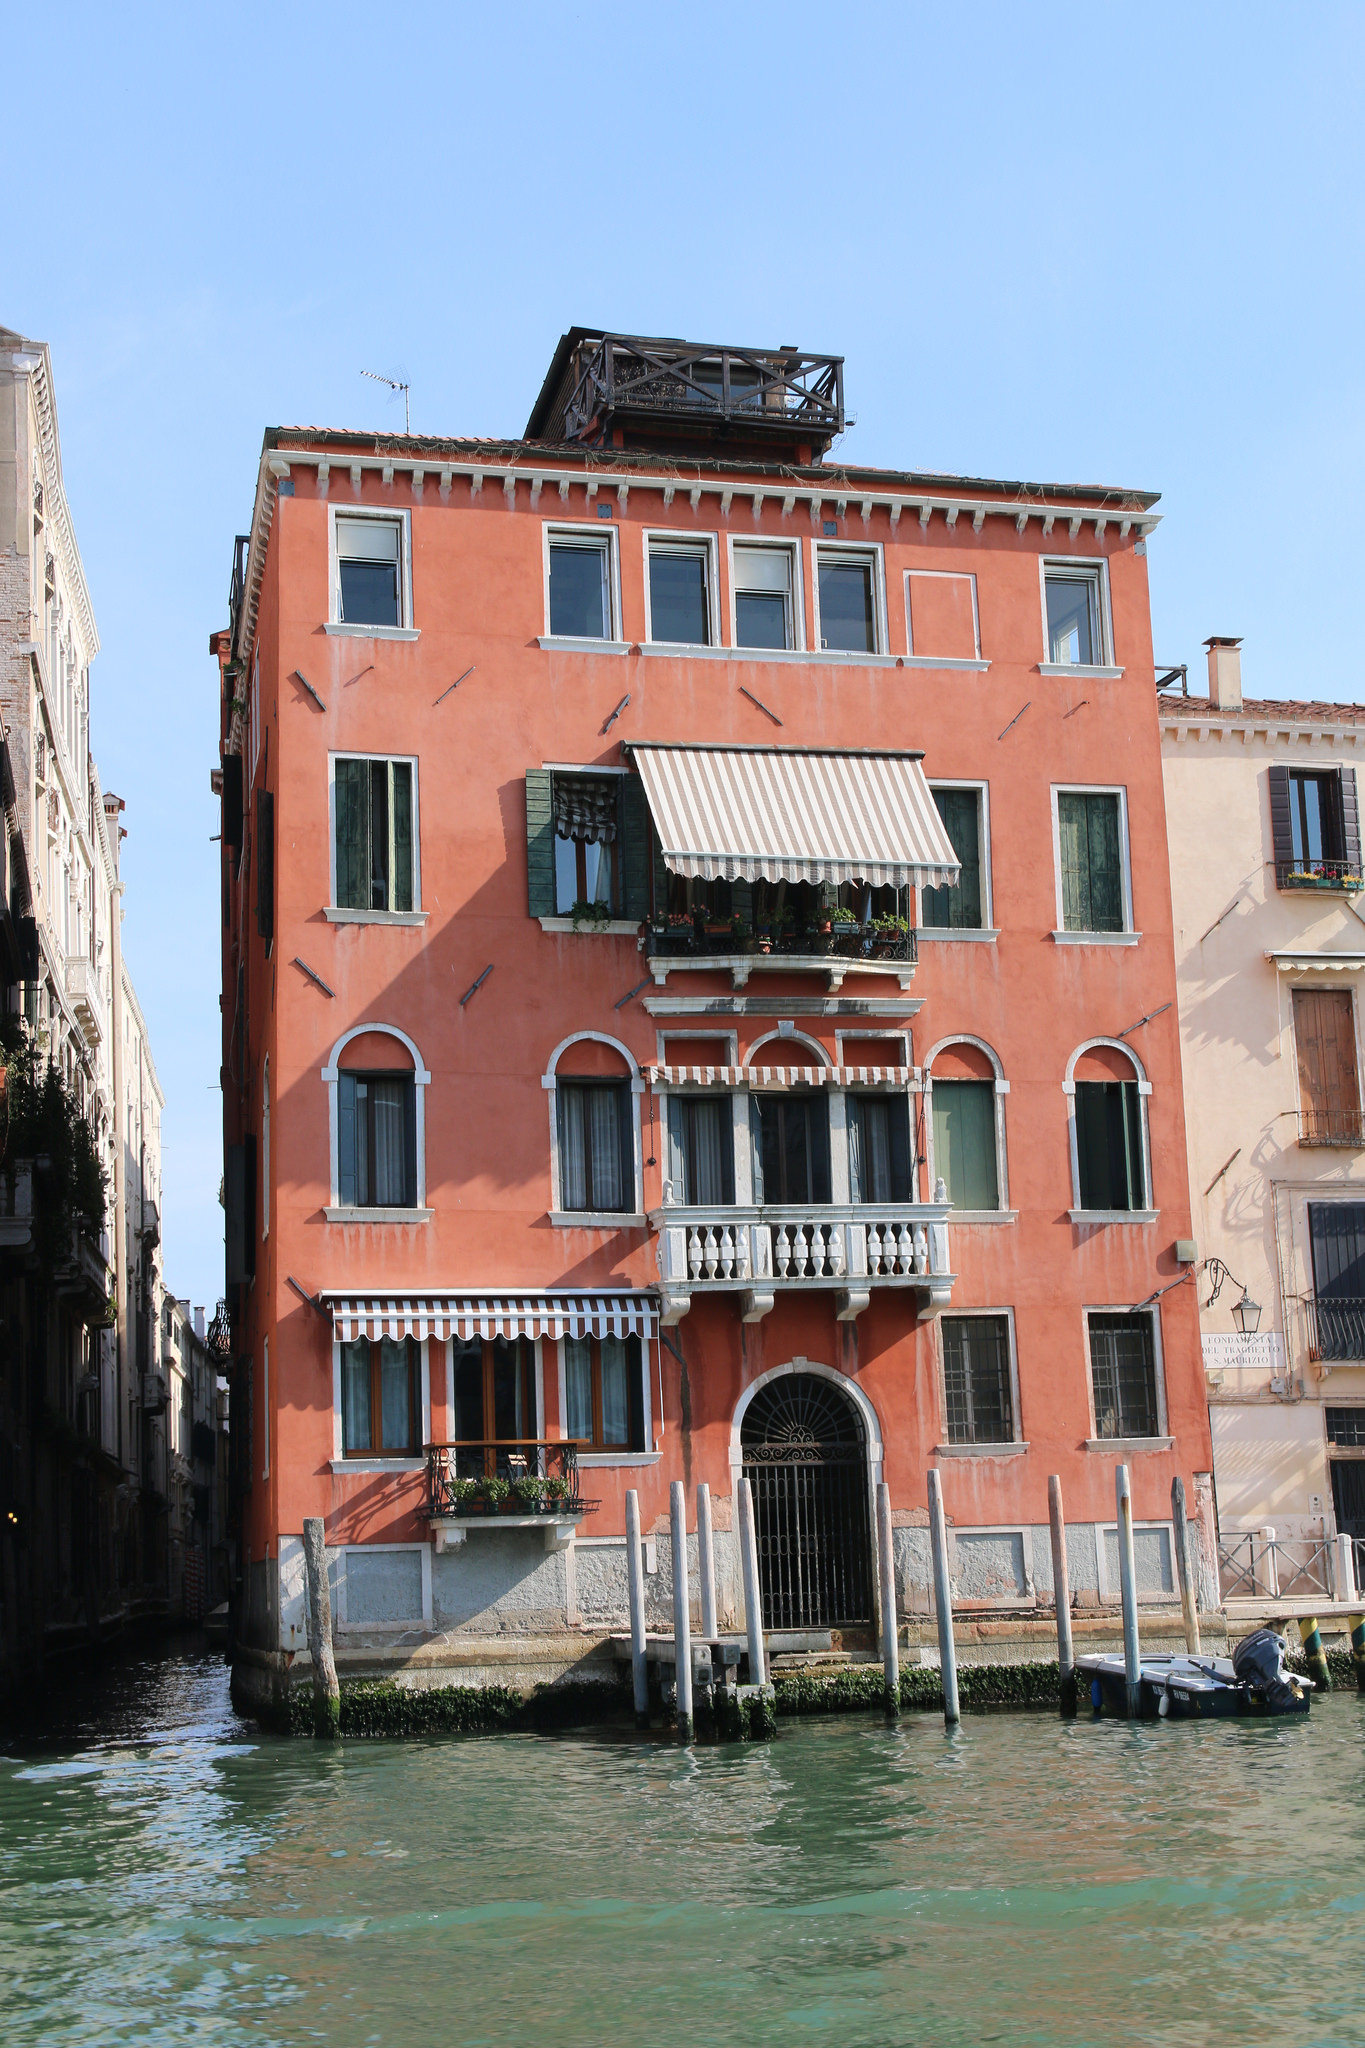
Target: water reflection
[(167, 1875)]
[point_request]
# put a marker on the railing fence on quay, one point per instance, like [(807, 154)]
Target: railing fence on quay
[(1256, 1564)]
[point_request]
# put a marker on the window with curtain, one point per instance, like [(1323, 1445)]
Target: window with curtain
[(701, 1149), (879, 1150), (964, 1143), (957, 909), (586, 811), (1089, 832), (369, 571), (603, 1392), (596, 1166), (376, 1141), (976, 1379), (1123, 1375), (374, 838), (380, 1397), (1109, 1145), (792, 1152)]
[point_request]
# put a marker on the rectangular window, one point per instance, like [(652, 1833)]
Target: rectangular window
[(1329, 1087), (580, 586), (1346, 1428), (380, 1397), (702, 1146), (764, 614), (847, 585), (376, 1141), (879, 1153), (1109, 1145), (1315, 827), (964, 1143), (494, 1403), (369, 558), (596, 1167), (941, 614), (976, 1379), (586, 812), (604, 1393), (958, 909), (1336, 1232), (1123, 1375), (1090, 842), (1075, 625), (680, 594), (794, 1149), (374, 835)]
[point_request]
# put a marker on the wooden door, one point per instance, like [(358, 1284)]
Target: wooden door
[(1329, 1088)]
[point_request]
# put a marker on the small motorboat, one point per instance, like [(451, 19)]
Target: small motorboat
[(1254, 1680)]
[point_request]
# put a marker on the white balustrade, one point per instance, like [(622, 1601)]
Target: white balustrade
[(843, 1245)]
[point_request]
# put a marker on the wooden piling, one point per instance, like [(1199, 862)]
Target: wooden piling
[(886, 1577), (1184, 1564), (706, 1563), (682, 1611), (1132, 1656), (635, 1580), (326, 1691), (943, 1598), (1061, 1587), (753, 1593), (1357, 1626)]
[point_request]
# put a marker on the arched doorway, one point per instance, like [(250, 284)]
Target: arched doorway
[(805, 1457)]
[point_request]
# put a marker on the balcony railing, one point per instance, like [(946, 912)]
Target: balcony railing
[(759, 1251), (508, 1476), (1336, 1329), (1332, 1127), (827, 948), (1334, 875)]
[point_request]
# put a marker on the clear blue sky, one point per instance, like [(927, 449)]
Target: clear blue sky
[(1093, 244)]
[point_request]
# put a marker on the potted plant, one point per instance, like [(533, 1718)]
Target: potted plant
[(843, 927), (557, 1493), (492, 1493), (890, 935), (528, 1493), (592, 914), (461, 1494)]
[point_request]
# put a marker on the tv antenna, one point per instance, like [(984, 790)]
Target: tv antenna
[(393, 385)]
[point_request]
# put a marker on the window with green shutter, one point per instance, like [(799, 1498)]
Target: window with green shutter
[(959, 908), (1089, 832), (375, 840), (1109, 1161), (964, 1143)]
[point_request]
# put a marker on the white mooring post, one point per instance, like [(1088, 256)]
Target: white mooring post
[(682, 1613), (706, 1563), (1343, 1569), (1061, 1586), (326, 1691), (753, 1593), (635, 1579), (943, 1598), (886, 1576), (1271, 1564), (1132, 1659), (1184, 1564)]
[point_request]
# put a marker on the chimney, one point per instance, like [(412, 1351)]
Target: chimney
[(199, 1329), (1225, 672)]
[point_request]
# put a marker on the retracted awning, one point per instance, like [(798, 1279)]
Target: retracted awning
[(491, 1315), (797, 815)]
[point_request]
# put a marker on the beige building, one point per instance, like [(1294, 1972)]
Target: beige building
[(1263, 816)]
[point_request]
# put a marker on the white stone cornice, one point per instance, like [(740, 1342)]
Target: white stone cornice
[(1270, 732), (35, 364)]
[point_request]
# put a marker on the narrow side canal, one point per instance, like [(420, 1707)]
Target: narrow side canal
[(168, 1875)]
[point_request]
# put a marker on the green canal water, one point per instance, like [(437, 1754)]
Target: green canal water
[(169, 1875)]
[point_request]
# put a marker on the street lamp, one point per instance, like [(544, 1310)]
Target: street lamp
[(1246, 1313)]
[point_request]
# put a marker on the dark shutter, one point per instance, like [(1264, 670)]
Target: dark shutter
[(1109, 1145), (1350, 820), (352, 803), (232, 800), (636, 833), (251, 1229), (1281, 831), (265, 865), (410, 1144), (898, 1117), (346, 1140), (540, 844), (635, 1388), (234, 1204)]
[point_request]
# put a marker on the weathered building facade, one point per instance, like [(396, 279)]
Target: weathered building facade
[(698, 997)]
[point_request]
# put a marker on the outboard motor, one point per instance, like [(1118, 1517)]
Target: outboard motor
[(1258, 1661)]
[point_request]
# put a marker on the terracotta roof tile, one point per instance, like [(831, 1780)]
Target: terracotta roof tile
[(1256, 710)]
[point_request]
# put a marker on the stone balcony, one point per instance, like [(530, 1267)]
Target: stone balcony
[(83, 990), (761, 1252)]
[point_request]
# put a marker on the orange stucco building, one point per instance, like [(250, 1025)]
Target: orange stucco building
[(697, 997)]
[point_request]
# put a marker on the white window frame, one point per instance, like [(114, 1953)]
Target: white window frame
[(587, 1459), (1074, 565), (1004, 1214), (584, 533), (378, 1461), (673, 540), (841, 550), (334, 915), (987, 928), (1149, 1212), (1128, 936), (1010, 1444), (941, 576), (334, 1212), (1116, 1444), (792, 549), (403, 521), (596, 1219)]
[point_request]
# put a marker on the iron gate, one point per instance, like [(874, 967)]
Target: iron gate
[(806, 1461)]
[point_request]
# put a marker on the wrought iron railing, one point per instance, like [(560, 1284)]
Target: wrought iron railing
[(1320, 874), (681, 936), (1332, 1127), (1335, 1328), (1258, 1565), (504, 1475), (786, 388)]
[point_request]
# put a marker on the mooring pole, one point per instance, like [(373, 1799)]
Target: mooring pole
[(326, 1691), (1358, 1649), (753, 1592), (635, 1580), (1184, 1564), (682, 1612), (706, 1563), (1061, 1586), (1132, 1658), (1315, 1656), (886, 1577), (943, 1598)]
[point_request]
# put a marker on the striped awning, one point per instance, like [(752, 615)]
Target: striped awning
[(791, 814), (492, 1315), (780, 1077)]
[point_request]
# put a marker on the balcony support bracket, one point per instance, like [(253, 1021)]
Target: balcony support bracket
[(850, 1303), (674, 1302), (755, 1303)]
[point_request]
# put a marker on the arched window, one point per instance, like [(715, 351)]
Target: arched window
[(377, 1086), (1108, 1092), (965, 1092), (594, 1088)]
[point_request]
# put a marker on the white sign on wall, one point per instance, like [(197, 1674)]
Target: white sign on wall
[(1263, 1353)]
